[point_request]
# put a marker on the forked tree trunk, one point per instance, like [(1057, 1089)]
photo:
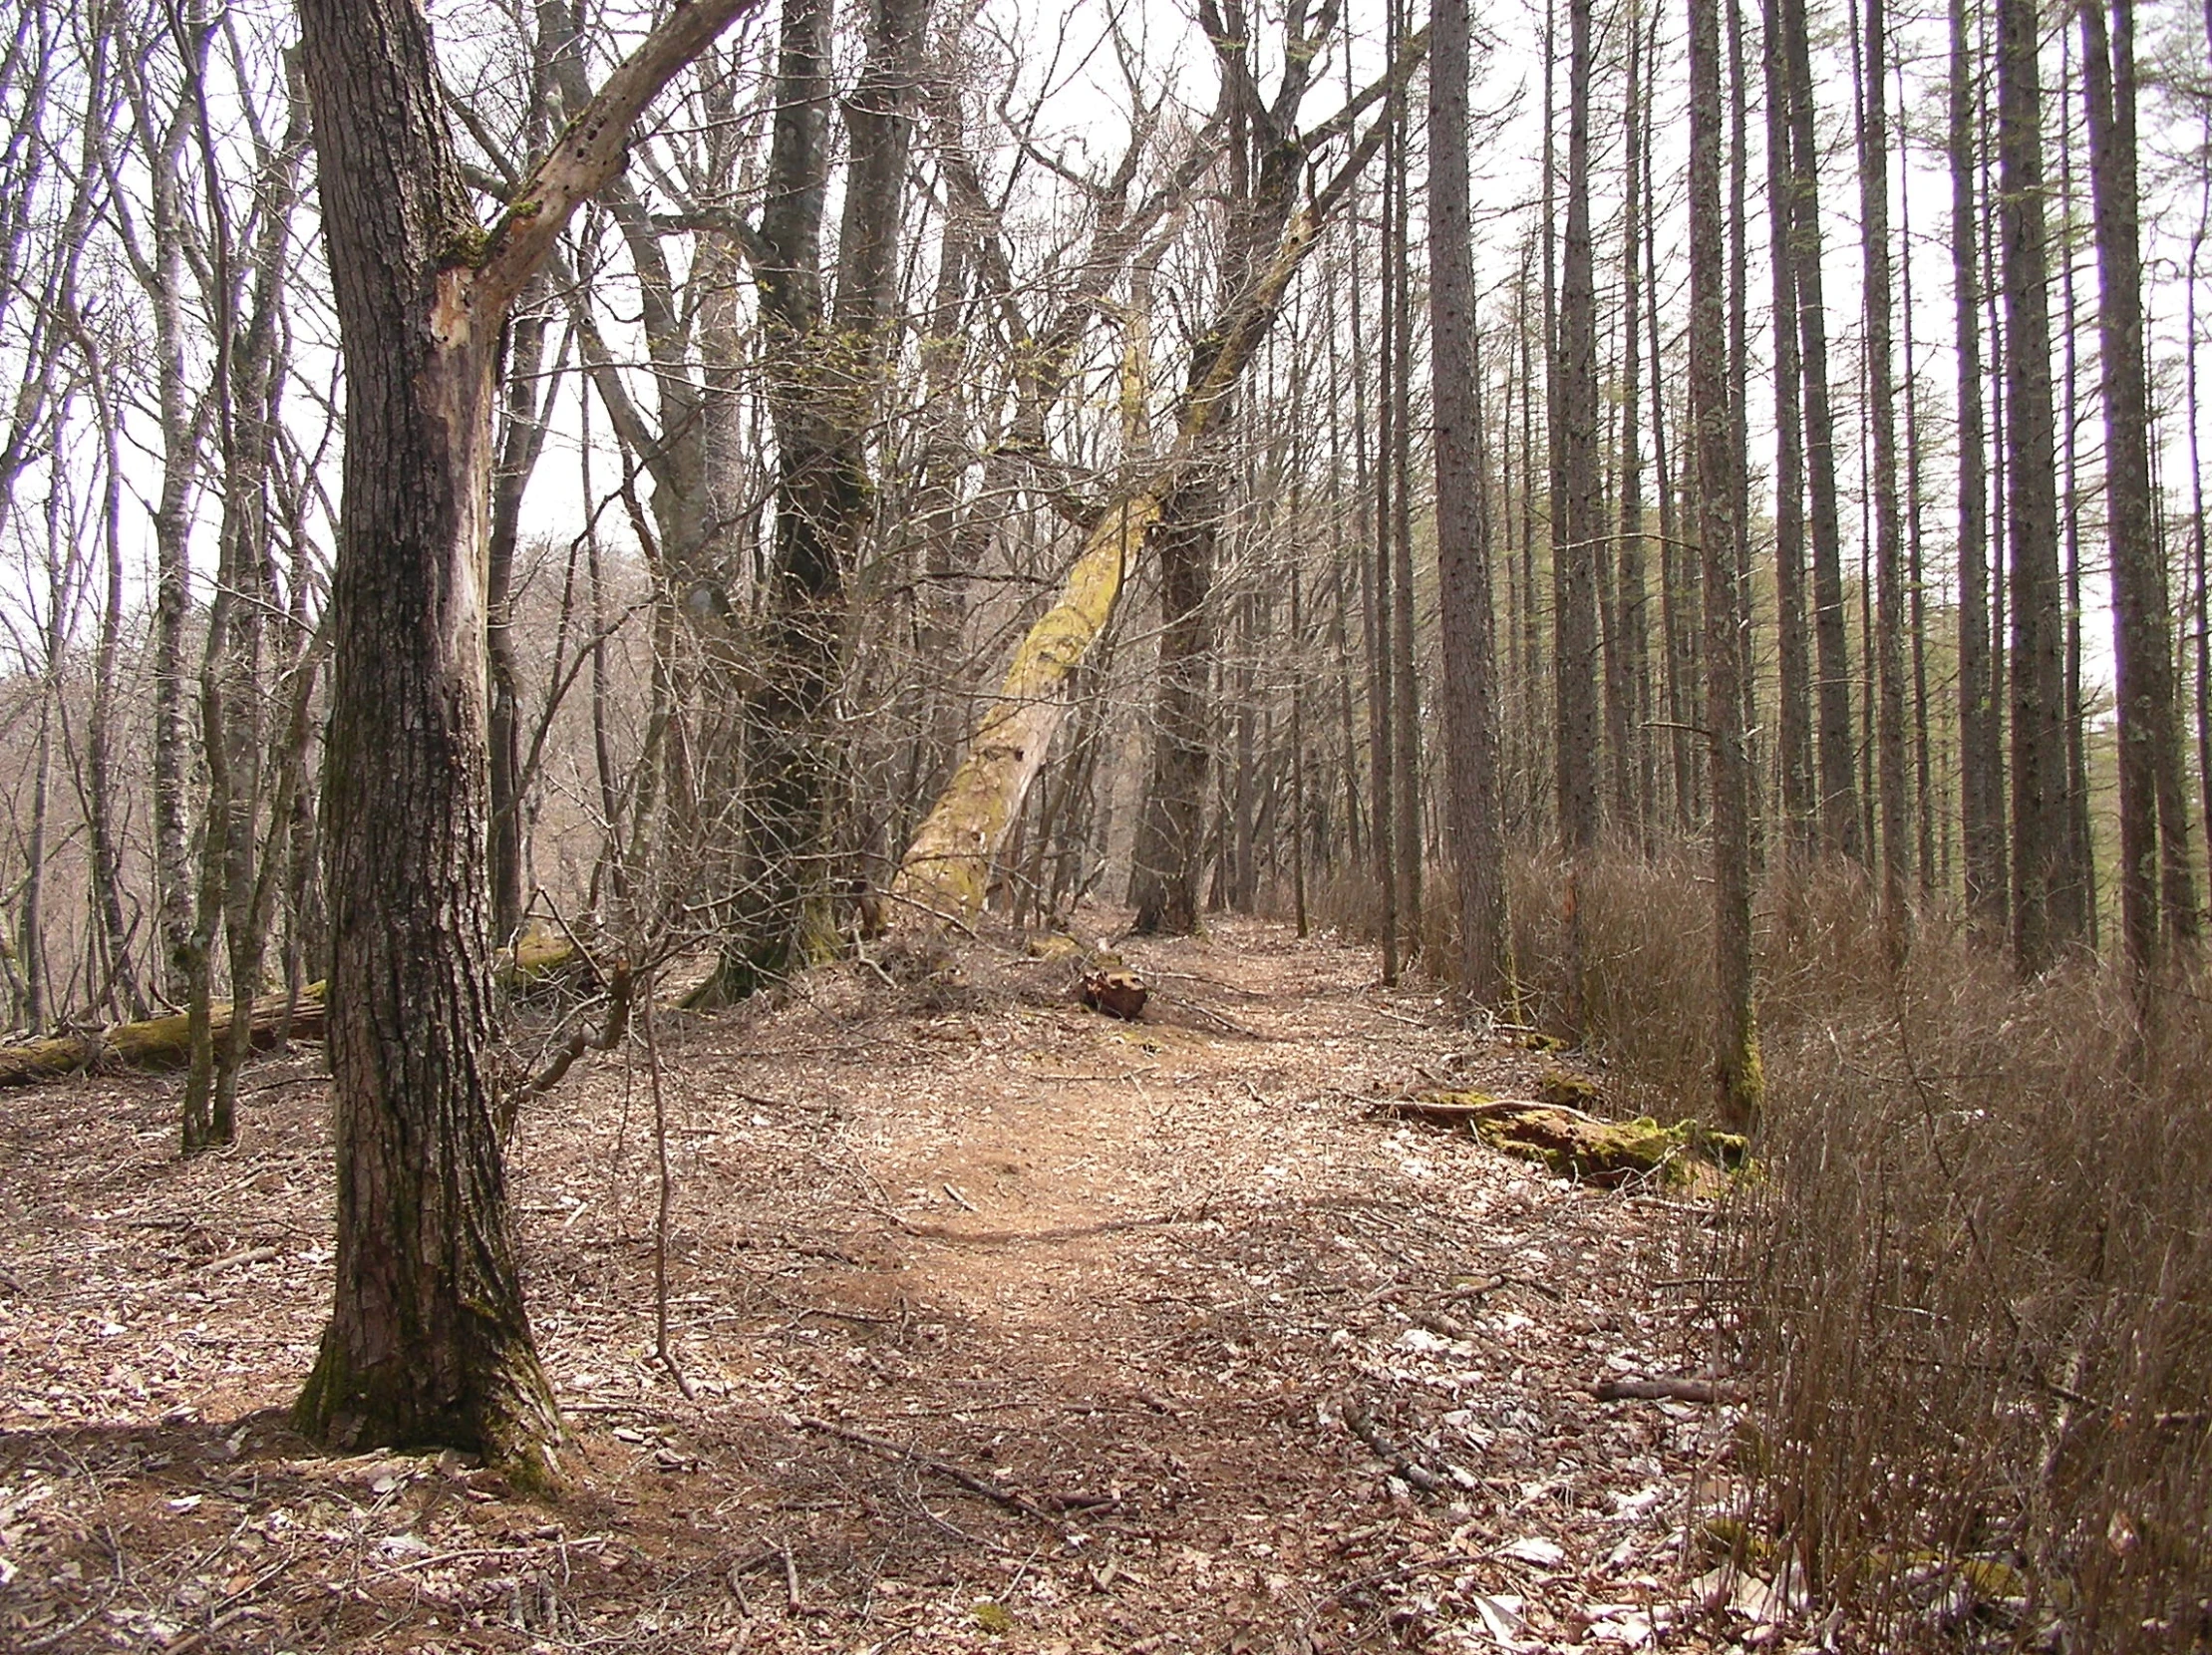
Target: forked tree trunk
[(428, 1341), (946, 869)]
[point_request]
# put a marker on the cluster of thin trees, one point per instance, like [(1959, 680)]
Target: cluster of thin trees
[(973, 461)]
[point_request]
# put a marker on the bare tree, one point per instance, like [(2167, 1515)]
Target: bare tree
[(427, 1339)]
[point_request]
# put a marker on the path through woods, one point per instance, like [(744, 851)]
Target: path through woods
[(1009, 1327)]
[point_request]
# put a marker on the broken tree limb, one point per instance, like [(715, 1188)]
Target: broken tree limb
[(945, 870), (164, 1042), (1665, 1388), (1361, 1422), (1046, 1509)]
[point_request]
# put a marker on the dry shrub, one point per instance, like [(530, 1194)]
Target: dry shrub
[(1976, 1285), (1972, 1277)]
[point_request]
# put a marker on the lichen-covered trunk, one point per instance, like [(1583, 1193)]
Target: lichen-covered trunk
[(947, 867)]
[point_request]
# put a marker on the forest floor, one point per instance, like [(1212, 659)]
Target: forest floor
[(1007, 1325)]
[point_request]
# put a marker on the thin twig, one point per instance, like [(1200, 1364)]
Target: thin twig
[(667, 1196)]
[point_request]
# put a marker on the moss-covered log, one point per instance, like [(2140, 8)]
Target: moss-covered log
[(164, 1042), (1573, 1144), (156, 1042)]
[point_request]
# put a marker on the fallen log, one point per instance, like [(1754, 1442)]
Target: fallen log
[(1571, 1142), (1666, 1388), (156, 1042), (164, 1042)]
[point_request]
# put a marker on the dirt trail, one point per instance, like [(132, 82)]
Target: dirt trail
[(1008, 1326)]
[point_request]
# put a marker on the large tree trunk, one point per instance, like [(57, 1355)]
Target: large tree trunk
[(2152, 806), (1981, 803), (1737, 1084), (1889, 602), (1793, 640), (1578, 520), (428, 1341), (824, 373), (2040, 905), (1169, 848), (1839, 808), (1474, 835)]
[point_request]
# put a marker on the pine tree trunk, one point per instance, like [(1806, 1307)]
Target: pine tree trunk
[(1473, 837), (2040, 827), (1738, 1083), (1889, 585), (1794, 635), (1579, 519), (1839, 804), (2151, 796)]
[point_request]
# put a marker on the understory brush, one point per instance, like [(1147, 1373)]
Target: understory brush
[(1969, 1278)]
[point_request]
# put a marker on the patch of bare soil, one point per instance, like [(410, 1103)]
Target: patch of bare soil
[(1008, 1326)]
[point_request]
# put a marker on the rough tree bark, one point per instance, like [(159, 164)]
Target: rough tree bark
[(1579, 519), (1475, 839), (2153, 801), (1736, 1065), (1839, 808), (1889, 603), (1793, 640), (1980, 804), (2040, 906), (427, 1340)]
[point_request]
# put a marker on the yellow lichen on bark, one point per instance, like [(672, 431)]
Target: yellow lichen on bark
[(948, 866)]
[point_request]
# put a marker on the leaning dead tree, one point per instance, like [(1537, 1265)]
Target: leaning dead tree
[(946, 870)]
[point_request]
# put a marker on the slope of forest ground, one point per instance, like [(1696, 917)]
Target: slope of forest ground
[(1006, 1326)]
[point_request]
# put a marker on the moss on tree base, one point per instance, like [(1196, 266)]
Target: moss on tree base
[(505, 1416)]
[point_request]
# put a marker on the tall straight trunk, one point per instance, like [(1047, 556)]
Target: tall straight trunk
[(1528, 689), (1676, 578), (1555, 421), (2040, 906), (1632, 764), (522, 439), (1578, 527), (1999, 645), (2080, 861), (1736, 1080), (1839, 804), (428, 1341), (1924, 811), (1475, 839), (1382, 568), (2153, 811), (1405, 653), (1889, 582), (1794, 638), (115, 990), (2201, 577), (1740, 366)]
